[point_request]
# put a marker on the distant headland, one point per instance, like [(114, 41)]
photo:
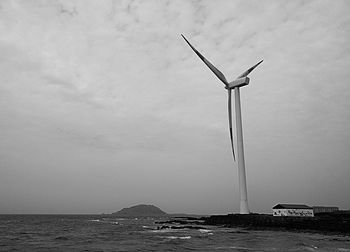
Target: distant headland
[(141, 210)]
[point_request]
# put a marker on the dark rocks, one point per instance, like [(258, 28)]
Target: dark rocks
[(336, 223), (62, 238), (179, 227), (183, 221)]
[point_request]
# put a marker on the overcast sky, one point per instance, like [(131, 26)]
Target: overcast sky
[(103, 105)]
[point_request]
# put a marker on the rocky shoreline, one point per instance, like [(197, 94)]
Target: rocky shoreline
[(330, 223)]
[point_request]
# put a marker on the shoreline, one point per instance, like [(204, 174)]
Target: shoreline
[(337, 223)]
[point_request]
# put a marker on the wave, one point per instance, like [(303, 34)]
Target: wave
[(178, 237), (307, 247), (148, 227), (237, 247), (105, 221), (165, 230), (205, 230)]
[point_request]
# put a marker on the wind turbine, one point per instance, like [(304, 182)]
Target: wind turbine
[(240, 81)]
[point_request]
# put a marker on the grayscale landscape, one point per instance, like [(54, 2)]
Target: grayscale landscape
[(120, 125)]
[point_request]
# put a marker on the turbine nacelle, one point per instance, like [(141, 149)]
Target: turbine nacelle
[(240, 82)]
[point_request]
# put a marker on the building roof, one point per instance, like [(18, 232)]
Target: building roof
[(291, 206)]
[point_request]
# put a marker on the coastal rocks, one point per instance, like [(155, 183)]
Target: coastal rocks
[(182, 221), (179, 227), (336, 223)]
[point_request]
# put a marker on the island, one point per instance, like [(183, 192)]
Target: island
[(141, 210)]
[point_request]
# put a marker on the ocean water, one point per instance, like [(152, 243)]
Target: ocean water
[(95, 233)]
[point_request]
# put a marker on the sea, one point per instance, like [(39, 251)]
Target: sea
[(100, 233)]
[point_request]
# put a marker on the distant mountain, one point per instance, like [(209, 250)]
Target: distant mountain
[(140, 211)]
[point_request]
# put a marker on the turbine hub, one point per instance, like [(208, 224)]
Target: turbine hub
[(240, 82)]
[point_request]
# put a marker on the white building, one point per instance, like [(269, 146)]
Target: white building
[(293, 210)]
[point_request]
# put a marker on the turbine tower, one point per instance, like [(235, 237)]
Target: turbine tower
[(240, 81)]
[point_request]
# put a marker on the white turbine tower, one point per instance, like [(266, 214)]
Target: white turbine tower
[(241, 81)]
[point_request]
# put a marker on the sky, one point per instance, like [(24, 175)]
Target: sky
[(103, 105)]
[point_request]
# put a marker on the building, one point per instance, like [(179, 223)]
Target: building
[(293, 210), (324, 209)]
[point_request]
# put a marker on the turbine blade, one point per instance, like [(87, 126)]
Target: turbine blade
[(245, 74), (230, 121), (216, 71)]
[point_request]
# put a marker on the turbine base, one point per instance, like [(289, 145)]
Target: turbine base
[(244, 207)]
